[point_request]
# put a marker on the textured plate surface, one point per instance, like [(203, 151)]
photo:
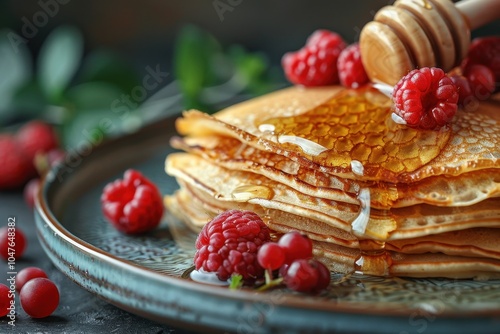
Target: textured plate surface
[(146, 274)]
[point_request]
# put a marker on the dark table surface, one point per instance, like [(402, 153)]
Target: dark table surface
[(79, 311)]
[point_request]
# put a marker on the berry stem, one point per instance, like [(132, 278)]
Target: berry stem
[(270, 282)]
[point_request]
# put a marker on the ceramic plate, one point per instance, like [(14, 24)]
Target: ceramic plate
[(148, 274)]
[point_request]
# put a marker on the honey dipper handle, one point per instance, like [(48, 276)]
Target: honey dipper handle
[(479, 12)]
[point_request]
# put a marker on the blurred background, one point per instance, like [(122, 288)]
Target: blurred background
[(72, 62)]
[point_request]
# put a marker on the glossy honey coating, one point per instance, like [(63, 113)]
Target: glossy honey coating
[(356, 125), (352, 127), (464, 189)]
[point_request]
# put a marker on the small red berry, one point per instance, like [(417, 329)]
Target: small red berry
[(30, 191), (316, 63), (55, 156), (301, 276), (6, 300), (296, 246), (36, 137), (17, 168), (12, 242), (28, 274), (271, 256), (463, 88), (39, 297), (352, 73), (425, 98), (485, 51), (323, 276), (133, 205), (229, 243), (481, 81)]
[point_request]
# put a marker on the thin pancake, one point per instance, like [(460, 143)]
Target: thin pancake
[(461, 190), (474, 242), (348, 260), (399, 223), (353, 125)]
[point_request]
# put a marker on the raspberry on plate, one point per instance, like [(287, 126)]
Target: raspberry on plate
[(352, 73), (17, 168), (316, 63), (229, 243), (425, 98), (481, 81), (484, 51), (133, 205)]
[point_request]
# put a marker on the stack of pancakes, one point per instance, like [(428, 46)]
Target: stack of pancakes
[(375, 196)]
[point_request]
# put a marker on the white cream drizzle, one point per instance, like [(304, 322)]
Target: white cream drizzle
[(266, 128), (202, 276), (384, 88), (358, 226), (357, 167), (398, 119)]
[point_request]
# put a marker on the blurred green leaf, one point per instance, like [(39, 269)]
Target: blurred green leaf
[(194, 50), (15, 68), (92, 126), (59, 60), (92, 95), (29, 99), (105, 66), (255, 69)]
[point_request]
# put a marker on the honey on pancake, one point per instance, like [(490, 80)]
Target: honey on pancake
[(247, 192), (355, 130), (357, 125)]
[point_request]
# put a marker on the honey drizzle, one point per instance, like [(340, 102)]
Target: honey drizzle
[(358, 135), (357, 125)]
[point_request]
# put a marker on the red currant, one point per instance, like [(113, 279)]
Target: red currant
[(27, 274), (39, 297), (30, 191), (12, 242), (296, 246), (301, 276), (323, 275), (6, 299), (271, 256)]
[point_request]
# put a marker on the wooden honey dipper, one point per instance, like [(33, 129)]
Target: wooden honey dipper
[(421, 33)]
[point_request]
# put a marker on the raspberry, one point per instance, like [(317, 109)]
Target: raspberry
[(352, 73), (484, 51), (17, 168), (229, 243), (36, 137), (425, 98), (316, 63), (133, 205), (481, 81)]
